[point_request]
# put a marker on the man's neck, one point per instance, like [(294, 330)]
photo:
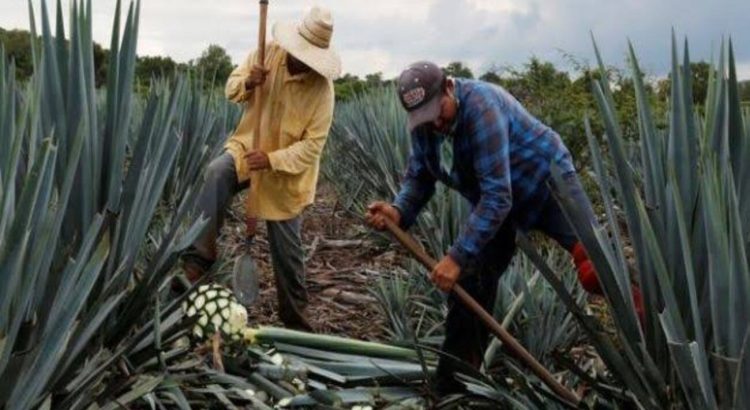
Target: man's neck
[(296, 71), (295, 68)]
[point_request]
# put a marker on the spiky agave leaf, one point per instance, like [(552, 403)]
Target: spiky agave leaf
[(690, 247), (76, 297)]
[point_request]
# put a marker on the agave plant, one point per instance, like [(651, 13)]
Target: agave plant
[(414, 308), (84, 248), (686, 215), (532, 311), (203, 120), (369, 135)]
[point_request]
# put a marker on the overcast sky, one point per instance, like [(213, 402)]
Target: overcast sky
[(386, 35)]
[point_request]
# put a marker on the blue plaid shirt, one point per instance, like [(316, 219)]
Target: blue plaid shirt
[(501, 162)]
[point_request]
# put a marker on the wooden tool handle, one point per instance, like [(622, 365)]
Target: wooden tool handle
[(508, 340), (251, 222), (261, 53)]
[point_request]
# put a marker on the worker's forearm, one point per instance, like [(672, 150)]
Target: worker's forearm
[(412, 198)]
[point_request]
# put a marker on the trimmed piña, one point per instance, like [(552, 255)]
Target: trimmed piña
[(217, 310)]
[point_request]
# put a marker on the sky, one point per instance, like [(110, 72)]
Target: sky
[(386, 35)]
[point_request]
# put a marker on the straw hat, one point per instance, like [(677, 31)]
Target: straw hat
[(310, 41)]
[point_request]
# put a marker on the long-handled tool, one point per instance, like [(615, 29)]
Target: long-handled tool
[(245, 280), (509, 341)]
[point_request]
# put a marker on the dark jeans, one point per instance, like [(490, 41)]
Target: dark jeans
[(284, 238), (466, 337)]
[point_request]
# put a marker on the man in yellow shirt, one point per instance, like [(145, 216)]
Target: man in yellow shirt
[(297, 109)]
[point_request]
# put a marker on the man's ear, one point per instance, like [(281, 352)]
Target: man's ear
[(448, 86)]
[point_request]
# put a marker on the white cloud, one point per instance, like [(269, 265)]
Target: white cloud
[(743, 70), (505, 6), (385, 35), (372, 60)]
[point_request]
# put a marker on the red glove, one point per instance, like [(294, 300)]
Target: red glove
[(586, 273), (589, 280), (638, 302)]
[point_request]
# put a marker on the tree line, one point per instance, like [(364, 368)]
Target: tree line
[(214, 62), (555, 96)]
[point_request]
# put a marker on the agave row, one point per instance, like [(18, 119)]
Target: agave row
[(97, 190)]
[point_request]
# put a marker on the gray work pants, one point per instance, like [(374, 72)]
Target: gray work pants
[(284, 238)]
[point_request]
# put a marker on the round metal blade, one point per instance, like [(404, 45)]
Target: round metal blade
[(245, 281)]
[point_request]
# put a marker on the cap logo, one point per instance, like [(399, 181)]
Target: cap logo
[(413, 97)]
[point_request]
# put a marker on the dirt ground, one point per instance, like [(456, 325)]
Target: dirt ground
[(343, 261)]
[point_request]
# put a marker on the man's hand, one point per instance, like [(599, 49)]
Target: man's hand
[(446, 273), (378, 211), (257, 160), (257, 77)]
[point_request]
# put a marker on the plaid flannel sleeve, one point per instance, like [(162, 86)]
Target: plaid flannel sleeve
[(490, 148), (417, 187)]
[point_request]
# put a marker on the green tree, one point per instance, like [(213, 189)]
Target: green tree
[(17, 44), (550, 95), (700, 71), (215, 63), (458, 69), (374, 80), (101, 62), (149, 67), (627, 106), (491, 77), (347, 86), (745, 91)]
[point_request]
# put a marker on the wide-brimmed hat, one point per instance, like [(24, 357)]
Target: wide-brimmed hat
[(310, 41)]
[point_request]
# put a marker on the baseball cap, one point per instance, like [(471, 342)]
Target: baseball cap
[(419, 89)]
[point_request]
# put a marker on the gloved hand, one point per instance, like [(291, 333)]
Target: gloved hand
[(586, 273), (590, 281)]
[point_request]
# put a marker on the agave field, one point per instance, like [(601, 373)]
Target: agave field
[(676, 204), (98, 188)]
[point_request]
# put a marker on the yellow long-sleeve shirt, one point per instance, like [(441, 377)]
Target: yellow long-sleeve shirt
[(295, 119)]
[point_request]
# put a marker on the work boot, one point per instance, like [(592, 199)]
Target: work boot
[(448, 385), (194, 267), (446, 382)]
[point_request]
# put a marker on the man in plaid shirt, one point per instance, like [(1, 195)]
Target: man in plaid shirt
[(502, 157)]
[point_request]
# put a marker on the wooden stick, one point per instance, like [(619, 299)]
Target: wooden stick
[(251, 222), (261, 61), (216, 351), (508, 340)]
